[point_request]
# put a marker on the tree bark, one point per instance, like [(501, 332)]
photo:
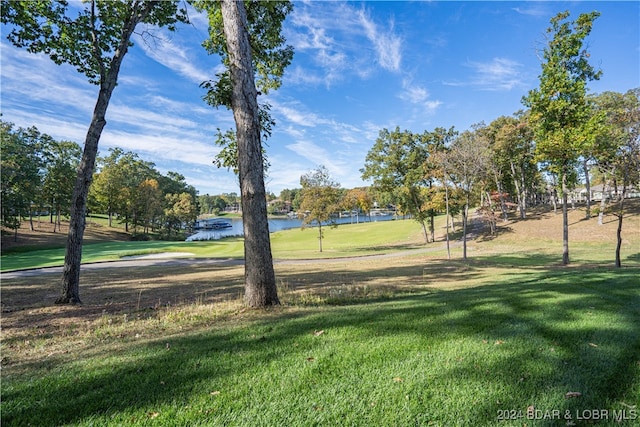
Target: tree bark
[(619, 237), (77, 220), (619, 230), (260, 283), (603, 200), (465, 218), (587, 186), (565, 221), (446, 201)]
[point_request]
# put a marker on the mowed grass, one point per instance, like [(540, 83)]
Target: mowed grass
[(453, 352), (345, 240), (539, 234), (507, 338)]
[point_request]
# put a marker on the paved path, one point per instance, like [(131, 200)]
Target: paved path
[(176, 259)]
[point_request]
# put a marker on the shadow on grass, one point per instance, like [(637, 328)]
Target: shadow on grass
[(525, 342)]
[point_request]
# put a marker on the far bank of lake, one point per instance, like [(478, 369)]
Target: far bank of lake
[(276, 224)]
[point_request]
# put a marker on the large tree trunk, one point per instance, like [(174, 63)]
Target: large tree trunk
[(565, 221), (465, 218), (603, 200), (587, 186), (619, 236), (260, 282), (77, 220), (619, 230), (446, 201), (503, 202)]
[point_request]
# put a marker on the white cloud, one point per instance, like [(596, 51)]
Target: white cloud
[(497, 74), (538, 11), (295, 113), (192, 147), (335, 36), (173, 56), (418, 96), (388, 46), (317, 156)]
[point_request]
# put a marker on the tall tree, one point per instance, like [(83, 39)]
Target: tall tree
[(108, 183), (61, 163), (358, 199), (21, 176), (617, 152), (320, 198), (247, 37), (397, 163), (181, 209), (560, 111), (95, 42), (513, 146), (467, 163)]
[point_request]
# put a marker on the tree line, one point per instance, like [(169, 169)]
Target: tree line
[(502, 166), (38, 175), (498, 168)]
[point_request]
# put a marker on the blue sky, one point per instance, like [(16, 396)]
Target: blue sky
[(358, 67)]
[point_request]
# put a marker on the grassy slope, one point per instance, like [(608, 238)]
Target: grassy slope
[(415, 340), (434, 357)]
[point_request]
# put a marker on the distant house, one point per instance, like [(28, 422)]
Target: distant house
[(277, 206), (599, 191)]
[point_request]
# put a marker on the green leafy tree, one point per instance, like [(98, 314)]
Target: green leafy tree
[(320, 197), (148, 204), (467, 163), (108, 183), (94, 37), (247, 37), (21, 176), (397, 165), (358, 200), (181, 209), (560, 112), (61, 165), (514, 153), (617, 151), (134, 172)]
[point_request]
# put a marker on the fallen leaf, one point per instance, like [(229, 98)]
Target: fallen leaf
[(318, 333), (484, 341), (153, 414), (310, 359), (397, 380), (499, 342), (215, 393), (571, 394)]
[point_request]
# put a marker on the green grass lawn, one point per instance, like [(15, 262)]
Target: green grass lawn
[(519, 339), (507, 338), (345, 240)]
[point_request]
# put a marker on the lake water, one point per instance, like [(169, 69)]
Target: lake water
[(274, 225)]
